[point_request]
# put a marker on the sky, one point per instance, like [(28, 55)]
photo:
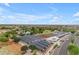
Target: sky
[(39, 13)]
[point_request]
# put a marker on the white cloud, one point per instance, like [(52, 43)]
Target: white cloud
[(76, 14), (26, 18), (21, 18), (75, 18), (30, 17), (55, 19), (53, 9), (7, 4)]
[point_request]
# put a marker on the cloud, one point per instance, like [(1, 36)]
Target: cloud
[(75, 18), (53, 8), (21, 18), (7, 4), (76, 14), (56, 19), (29, 17)]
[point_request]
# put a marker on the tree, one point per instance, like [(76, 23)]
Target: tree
[(7, 34), (34, 52), (23, 49), (70, 46), (13, 32), (69, 30), (3, 39), (32, 47), (21, 34), (73, 49), (15, 39), (72, 38), (35, 30), (46, 31), (41, 30), (55, 46), (77, 33)]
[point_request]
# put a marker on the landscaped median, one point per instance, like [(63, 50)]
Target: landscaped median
[(72, 49)]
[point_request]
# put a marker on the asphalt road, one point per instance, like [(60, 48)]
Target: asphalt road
[(62, 50), (77, 41)]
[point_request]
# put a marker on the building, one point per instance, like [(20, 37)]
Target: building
[(56, 36), (27, 33), (40, 43), (52, 39)]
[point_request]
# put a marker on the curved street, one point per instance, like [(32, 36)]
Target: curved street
[(62, 50)]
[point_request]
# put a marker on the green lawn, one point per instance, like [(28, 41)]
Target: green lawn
[(73, 49)]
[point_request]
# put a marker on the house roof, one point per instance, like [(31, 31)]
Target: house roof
[(57, 34), (54, 38), (35, 40), (38, 41)]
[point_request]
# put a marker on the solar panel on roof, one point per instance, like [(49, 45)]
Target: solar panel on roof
[(38, 47), (36, 44), (44, 43), (37, 41)]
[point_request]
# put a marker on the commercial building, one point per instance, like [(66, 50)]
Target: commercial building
[(56, 36), (40, 43)]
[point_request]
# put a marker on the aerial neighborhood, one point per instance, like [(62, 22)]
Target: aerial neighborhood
[(39, 40)]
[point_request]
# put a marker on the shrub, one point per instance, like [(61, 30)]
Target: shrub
[(3, 39), (73, 49), (55, 46), (6, 34), (15, 39), (32, 47), (72, 40), (24, 48), (34, 52), (46, 31), (69, 30), (70, 46)]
